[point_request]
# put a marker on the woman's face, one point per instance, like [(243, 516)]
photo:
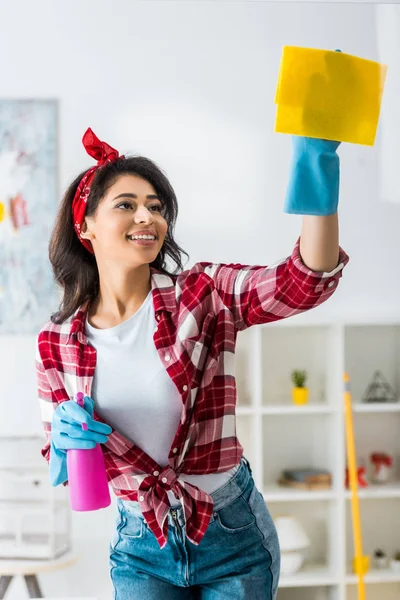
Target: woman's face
[(129, 206)]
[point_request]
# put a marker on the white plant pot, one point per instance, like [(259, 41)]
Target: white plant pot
[(380, 563), (291, 562), (395, 565)]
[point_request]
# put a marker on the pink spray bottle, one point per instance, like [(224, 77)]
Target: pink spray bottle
[(87, 478)]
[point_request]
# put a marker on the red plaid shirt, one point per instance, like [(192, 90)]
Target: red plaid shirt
[(199, 313)]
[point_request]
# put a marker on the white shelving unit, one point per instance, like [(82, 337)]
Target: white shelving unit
[(276, 434)]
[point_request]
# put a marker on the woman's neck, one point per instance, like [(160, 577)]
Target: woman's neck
[(119, 297)]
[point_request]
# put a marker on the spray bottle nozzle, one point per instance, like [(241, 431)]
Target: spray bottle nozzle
[(80, 400)]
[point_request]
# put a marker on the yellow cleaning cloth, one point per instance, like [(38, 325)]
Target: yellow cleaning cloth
[(329, 95)]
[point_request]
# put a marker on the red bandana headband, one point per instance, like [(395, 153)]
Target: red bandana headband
[(104, 154)]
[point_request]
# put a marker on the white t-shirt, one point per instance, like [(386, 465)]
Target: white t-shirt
[(135, 395)]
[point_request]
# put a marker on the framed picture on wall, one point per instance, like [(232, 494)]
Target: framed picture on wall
[(28, 203)]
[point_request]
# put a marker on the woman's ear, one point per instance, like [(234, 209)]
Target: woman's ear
[(86, 233)]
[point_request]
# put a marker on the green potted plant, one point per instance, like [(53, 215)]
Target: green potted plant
[(380, 559), (299, 391), (395, 562)]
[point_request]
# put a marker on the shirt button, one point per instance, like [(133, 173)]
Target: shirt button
[(141, 498), (156, 473), (331, 283), (175, 450), (184, 388), (164, 480), (167, 357)]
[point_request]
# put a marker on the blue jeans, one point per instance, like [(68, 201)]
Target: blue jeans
[(237, 559)]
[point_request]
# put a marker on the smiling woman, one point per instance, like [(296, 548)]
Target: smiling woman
[(154, 354), (128, 196)]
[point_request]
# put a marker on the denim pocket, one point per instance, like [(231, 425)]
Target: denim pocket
[(132, 522), (235, 517)]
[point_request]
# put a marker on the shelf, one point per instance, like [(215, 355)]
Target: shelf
[(308, 409), (309, 576), (376, 576), (377, 408), (277, 434), (245, 410), (276, 409), (391, 490), (277, 493)]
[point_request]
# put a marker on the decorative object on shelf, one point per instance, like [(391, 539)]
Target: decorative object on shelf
[(300, 391), (306, 479), (36, 518), (382, 467), (293, 541), (379, 390), (395, 563), (380, 559), (361, 477)]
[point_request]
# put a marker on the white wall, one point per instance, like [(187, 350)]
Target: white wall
[(191, 85)]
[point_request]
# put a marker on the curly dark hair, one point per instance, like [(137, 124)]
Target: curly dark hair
[(75, 269)]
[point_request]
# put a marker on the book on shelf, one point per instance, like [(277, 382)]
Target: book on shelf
[(306, 479), (307, 475), (302, 485)]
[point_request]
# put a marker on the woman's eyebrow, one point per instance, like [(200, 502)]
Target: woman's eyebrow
[(130, 195)]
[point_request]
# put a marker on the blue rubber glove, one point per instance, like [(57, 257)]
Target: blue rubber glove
[(67, 434), (313, 187)]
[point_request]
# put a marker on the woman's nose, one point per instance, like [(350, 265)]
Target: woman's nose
[(142, 214)]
